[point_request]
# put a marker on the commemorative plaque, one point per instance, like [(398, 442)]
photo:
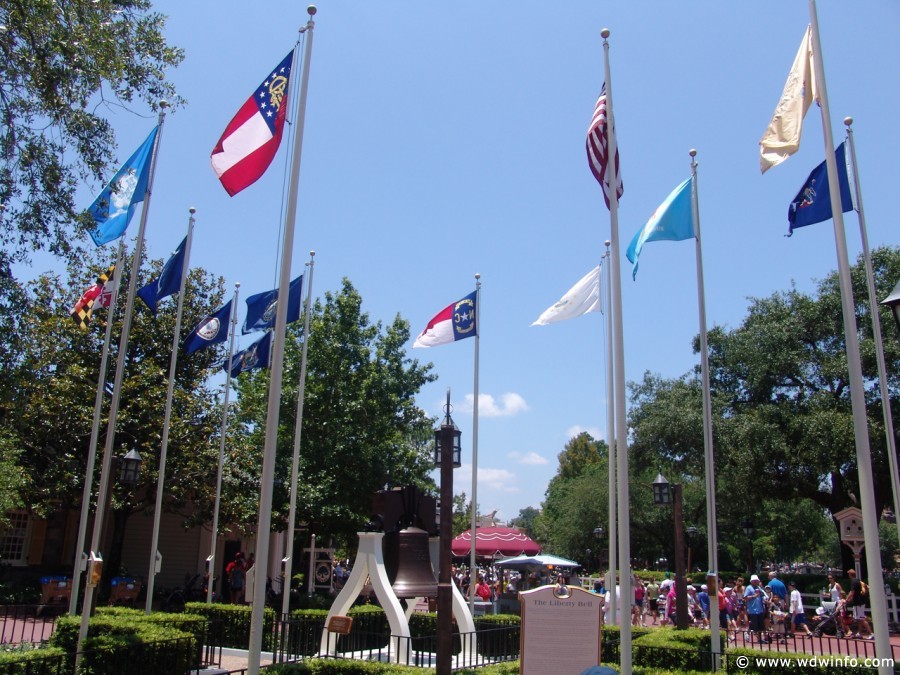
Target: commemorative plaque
[(560, 630)]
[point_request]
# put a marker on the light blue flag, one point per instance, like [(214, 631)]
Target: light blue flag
[(672, 221), (113, 208)]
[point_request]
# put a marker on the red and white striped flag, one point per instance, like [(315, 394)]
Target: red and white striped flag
[(250, 140), (598, 148)]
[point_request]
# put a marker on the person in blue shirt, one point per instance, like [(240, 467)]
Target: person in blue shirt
[(755, 599), (779, 591), (703, 600)]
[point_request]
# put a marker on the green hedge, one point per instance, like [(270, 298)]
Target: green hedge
[(118, 635), (42, 661), (235, 623), (678, 650)]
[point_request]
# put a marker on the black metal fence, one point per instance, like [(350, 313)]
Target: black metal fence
[(26, 624)]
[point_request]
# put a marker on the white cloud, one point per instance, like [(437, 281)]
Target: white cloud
[(595, 433), (508, 405), (529, 458)]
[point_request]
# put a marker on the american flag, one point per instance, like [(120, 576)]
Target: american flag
[(598, 149)]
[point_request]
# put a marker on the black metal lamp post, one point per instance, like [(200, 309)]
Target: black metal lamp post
[(130, 467), (749, 530), (663, 495), (447, 456), (690, 532), (599, 533), (893, 301)]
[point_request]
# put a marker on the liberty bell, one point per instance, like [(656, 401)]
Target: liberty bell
[(407, 518), (415, 576)]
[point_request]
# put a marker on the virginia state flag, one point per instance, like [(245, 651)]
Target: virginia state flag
[(454, 322), (255, 356), (113, 208), (261, 307), (252, 137), (813, 203), (672, 221), (169, 281), (211, 331)]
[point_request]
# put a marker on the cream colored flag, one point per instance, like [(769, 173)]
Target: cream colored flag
[(782, 137)]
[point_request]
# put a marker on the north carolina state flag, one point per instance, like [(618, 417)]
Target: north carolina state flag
[(455, 322), (251, 139)]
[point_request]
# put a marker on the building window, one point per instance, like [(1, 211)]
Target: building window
[(14, 539)]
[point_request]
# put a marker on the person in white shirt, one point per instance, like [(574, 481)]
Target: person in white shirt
[(798, 616)]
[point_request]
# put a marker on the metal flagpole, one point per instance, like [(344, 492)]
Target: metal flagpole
[(473, 571), (611, 442), (876, 331), (857, 389), (624, 510), (155, 557), (708, 454), (295, 466), (267, 479), (80, 556), (116, 394), (211, 560)]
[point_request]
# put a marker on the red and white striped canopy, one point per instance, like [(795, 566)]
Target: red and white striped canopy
[(491, 541)]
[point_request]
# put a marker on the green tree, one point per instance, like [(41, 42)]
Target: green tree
[(525, 520), (47, 400), (782, 423), (361, 427), (64, 64)]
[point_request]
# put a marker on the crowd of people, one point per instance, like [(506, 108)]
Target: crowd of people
[(761, 612)]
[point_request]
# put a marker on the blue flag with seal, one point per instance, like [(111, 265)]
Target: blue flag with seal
[(255, 356), (211, 331), (456, 321), (673, 220), (813, 203), (113, 208), (261, 307), (169, 281)]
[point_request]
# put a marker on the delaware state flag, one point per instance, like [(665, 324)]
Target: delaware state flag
[(251, 139), (454, 322)]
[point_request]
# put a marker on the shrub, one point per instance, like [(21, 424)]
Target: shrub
[(677, 650), (43, 661)]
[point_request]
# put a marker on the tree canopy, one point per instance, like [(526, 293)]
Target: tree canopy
[(63, 65), (361, 429)]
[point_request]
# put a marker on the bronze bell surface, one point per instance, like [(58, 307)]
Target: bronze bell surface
[(415, 575)]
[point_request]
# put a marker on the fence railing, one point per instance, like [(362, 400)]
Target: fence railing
[(25, 624)]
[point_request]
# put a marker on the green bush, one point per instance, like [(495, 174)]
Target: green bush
[(118, 635), (235, 623), (677, 650), (43, 661)]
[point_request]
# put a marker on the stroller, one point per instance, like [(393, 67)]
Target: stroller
[(827, 620)]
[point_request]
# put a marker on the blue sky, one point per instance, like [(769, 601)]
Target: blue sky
[(445, 139)]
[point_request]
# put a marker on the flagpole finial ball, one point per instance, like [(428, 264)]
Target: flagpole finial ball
[(237, 284), (692, 152), (164, 104), (607, 243), (848, 121), (604, 33), (477, 275), (192, 210), (312, 254), (311, 10)]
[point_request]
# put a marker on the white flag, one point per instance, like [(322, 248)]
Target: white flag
[(782, 137), (582, 298)]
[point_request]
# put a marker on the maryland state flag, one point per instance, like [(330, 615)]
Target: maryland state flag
[(97, 295)]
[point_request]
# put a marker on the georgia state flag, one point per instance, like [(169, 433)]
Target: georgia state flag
[(252, 137), (455, 322)]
